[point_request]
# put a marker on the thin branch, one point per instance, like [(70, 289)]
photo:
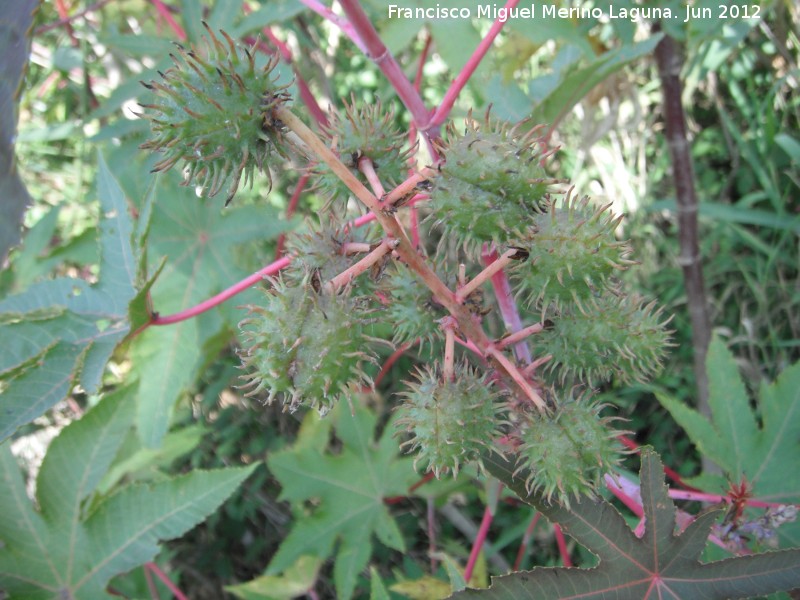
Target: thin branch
[(348, 275), (463, 77), (489, 272)]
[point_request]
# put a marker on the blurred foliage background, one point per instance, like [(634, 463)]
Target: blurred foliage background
[(80, 96)]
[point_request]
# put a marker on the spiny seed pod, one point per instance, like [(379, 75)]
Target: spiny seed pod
[(306, 345), (568, 453), (411, 310), (322, 251), (612, 335), (214, 113), (571, 252), (366, 133), (452, 422), (491, 183)]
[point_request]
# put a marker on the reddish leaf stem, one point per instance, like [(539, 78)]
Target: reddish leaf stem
[(460, 81), (151, 566), (561, 542), (526, 540), (327, 14), (290, 210), (70, 18), (164, 13), (507, 304), (477, 545), (242, 285)]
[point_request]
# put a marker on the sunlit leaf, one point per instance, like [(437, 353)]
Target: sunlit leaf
[(64, 549)]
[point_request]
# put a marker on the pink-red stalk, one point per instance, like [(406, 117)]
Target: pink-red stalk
[(460, 81), (156, 570), (164, 13), (561, 542)]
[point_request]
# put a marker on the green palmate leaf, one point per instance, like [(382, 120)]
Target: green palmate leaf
[(348, 488), (735, 441), (200, 244), (75, 543), (62, 332), (660, 564)]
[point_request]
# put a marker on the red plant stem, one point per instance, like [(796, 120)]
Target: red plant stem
[(349, 274), (507, 305), (368, 170), (460, 81), (164, 13), (480, 538), (633, 505), (290, 210), (69, 19), (165, 580), (379, 53), (151, 585), (519, 335), (341, 23), (387, 365), (487, 273), (425, 479), (671, 473), (526, 540), (63, 13), (717, 498), (413, 224), (562, 545), (242, 285)]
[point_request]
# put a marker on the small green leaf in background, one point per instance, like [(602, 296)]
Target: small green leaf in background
[(75, 543), (296, 581), (62, 332), (765, 454), (348, 489), (660, 564), (15, 24)]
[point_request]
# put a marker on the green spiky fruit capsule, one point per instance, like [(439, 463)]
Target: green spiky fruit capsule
[(305, 345), (214, 114), (611, 335), (572, 252), (411, 309), (370, 133), (321, 251), (568, 453), (492, 182), (451, 422)]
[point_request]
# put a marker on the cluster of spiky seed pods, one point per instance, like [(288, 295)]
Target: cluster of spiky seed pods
[(310, 342)]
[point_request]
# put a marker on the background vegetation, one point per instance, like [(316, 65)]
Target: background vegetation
[(596, 82)]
